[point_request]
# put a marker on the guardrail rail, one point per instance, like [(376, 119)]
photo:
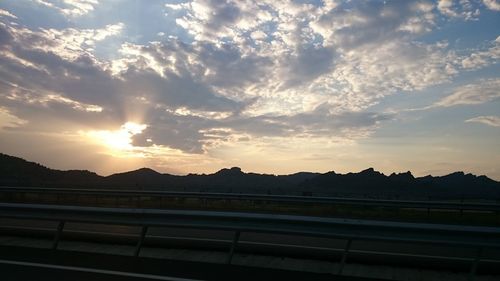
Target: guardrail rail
[(415, 204)]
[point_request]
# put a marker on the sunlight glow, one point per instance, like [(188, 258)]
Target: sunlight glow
[(119, 140)]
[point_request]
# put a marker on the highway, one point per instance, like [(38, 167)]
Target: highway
[(42, 264), (448, 247)]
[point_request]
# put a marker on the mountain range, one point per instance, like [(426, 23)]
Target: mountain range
[(16, 171)]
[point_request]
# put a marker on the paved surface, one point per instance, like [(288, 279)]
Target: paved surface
[(388, 253), (313, 255), (43, 264), (95, 252)]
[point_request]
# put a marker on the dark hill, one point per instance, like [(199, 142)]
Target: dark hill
[(19, 172), (367, 183), (297, 178), (141, 178)]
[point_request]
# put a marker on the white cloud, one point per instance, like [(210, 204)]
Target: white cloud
[(258, 35), (8, 120), (71, 8), (477, 93), (492, 4), (458, 9), (74, 104), (446, 7), (69, 43), (4, 13), (481, 58), (302, 56), (176, 6), (371, 22), (488, 120)]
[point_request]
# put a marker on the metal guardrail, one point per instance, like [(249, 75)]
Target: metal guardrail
[(461, 206), (348, 229)]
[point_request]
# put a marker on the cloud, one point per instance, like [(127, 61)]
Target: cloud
[(305, 55), (7, 120), (211, 18), (373, 22), (68, 43), (482, 58), (70, 8), (492, 4), (229, 67), (195, 134), (476, 93), (80, 76), (4, 13), (309, 63), (175, 90), (458, 9), (239, 70), (66, 82), (177, 75), (488, 120)]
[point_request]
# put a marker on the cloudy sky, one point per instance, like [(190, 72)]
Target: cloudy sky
[(271, 86)]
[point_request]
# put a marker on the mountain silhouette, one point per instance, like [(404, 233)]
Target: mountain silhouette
[(15, 171)]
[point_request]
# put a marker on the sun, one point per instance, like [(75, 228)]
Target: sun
[(118, 140)]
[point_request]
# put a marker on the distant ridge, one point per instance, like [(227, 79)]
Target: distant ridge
[(16, 171)]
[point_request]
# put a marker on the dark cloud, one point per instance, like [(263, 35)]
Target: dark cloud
[(179, 132), (222, 13), (187, 132), (177, 91), (218, 16), (5, 36), (83, 80), (309, 63), (56, 83), (371, 22), (230, 68), (80, 80), (320, 122)]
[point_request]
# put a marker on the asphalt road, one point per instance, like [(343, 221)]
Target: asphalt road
[(365, 252), (43, 264)]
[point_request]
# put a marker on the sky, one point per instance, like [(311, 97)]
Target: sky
[(270, 86)]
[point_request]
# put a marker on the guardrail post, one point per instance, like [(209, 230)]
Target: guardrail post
[(461, 207), (57, 236), (344, 256), (141, 240), (236, 237), (472, 273), (497, 214)]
